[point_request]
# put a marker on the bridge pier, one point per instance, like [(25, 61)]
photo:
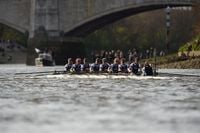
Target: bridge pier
[(63, 48)]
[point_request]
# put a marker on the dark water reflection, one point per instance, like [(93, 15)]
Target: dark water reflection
[(37, 104)]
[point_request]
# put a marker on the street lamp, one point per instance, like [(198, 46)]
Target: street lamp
[(168, 25)]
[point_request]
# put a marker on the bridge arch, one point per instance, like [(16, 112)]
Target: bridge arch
[(13, 26), (97, 21)]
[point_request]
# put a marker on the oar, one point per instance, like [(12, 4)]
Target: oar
[(43, 72), (180, 75)]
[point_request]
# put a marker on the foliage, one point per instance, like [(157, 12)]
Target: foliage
[(196, 11), (195, 45), (183, 48), (196, 28), (7, 33), (144, 31)]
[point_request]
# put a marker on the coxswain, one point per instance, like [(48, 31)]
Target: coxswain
[(123, 67), (95, 67), (147, 69), (85, 66), (69, 64), (76, 68), (114, 68), (134, 67), (104, 66)]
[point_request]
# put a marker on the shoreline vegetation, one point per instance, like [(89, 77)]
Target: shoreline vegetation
[(186, 64), (188, 57), (173, 61)]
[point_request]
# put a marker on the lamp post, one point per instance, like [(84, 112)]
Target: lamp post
[(168, 25)]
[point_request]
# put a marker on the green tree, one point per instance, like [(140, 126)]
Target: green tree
[(7, 33), (145, 30)]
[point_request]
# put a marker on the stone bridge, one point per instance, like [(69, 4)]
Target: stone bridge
[(55, 22)]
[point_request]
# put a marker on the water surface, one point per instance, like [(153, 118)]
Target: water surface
[(35, 103)]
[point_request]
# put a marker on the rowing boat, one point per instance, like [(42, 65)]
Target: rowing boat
[(103, 76)]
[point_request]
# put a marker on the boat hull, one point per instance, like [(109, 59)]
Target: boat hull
[(43, 62), (102, 76)]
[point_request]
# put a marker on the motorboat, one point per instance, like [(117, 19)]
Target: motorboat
[(44, 59)]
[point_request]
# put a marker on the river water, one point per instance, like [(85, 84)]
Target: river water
[(35, 103)]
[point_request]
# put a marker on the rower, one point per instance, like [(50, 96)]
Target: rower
[(95, 67), (147, 69), (123, 67), (69, 64), (104, 66), (114, 68), (77, 66), (134, 67), (85, 66)]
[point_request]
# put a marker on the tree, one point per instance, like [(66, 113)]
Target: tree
[(145, 30), (7, 33), (196, 11)]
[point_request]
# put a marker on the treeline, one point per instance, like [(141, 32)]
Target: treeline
[(146, 30), (197, 17), (7, 33), (195, 41)]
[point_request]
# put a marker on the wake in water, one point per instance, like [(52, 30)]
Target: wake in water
[(38, 101), (88, 76)]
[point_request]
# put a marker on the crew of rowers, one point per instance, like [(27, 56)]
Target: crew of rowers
[(102, 66)]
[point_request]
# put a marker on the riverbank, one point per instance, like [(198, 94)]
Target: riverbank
[(186, 64), (12, 57), (175, 62)]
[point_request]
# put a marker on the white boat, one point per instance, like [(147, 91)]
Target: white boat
[(44, 59), (103, 76)]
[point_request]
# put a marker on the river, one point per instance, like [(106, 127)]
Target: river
[(35, 103)]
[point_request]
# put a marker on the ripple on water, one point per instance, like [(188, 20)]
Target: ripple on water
[(31, 103)]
